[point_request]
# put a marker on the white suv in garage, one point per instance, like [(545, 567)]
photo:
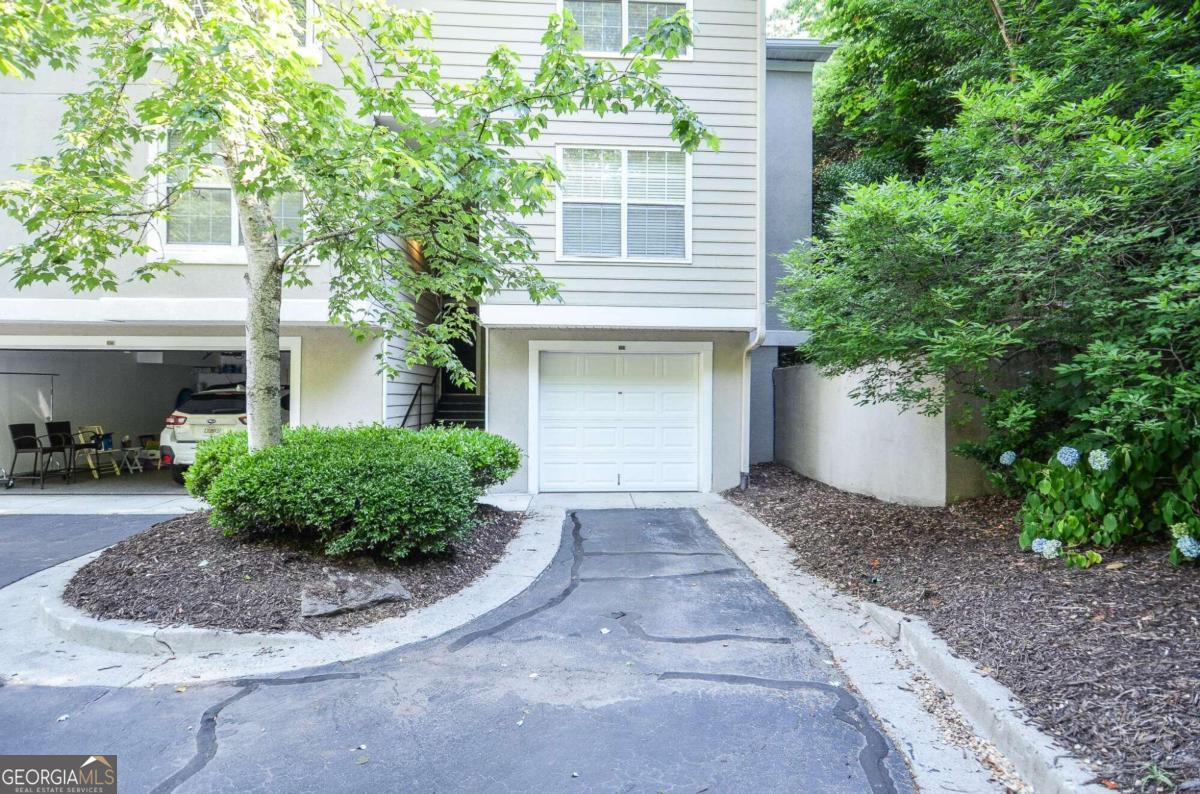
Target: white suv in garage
[(205, 414)]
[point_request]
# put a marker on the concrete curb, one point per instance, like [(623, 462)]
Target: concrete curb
[(46, 641), (991, 707)]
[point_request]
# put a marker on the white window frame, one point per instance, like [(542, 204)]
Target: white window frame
[(192, 253), (624, 202), (683, 56)]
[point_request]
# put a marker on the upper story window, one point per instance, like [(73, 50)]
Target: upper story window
[(632, 204), (608, 25), (206, 216)]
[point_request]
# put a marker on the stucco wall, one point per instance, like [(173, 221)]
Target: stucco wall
[(875, 449), (508, 390)]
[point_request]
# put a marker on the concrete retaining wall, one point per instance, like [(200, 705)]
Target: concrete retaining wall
[(875, 450)]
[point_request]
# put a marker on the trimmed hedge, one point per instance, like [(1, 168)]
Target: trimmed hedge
[(212, 456), (382, 490)]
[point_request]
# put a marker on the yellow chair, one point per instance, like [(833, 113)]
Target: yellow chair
[(89, 438)]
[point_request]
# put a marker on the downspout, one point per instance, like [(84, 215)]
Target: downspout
[(760, 287)]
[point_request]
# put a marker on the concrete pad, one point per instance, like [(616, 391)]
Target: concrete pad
[(582, 501)]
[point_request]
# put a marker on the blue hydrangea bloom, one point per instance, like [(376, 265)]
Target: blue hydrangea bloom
[(1051, 548), (1098, 459), (1188, 546), (1067, 456), (1008, 458), (1037, 545)]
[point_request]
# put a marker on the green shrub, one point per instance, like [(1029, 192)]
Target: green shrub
[(353, 490), (491, 458), (212, 457), (371, 489)]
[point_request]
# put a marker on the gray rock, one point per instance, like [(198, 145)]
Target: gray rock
[(349, 593)]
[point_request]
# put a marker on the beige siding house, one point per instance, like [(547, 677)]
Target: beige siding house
[(639, 378)]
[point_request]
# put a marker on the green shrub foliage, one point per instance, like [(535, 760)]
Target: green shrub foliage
[(212, 456), (1045, 261), (379, 490)]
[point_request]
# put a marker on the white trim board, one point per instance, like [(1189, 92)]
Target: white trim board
[(288, 344), (515, 315), (705, 407)]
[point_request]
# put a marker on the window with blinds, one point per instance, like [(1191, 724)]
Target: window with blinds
[(206, 214), (623, 204), (608, 25)]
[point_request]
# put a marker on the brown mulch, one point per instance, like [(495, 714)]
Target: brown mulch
[(1107, 659), (183, 571)]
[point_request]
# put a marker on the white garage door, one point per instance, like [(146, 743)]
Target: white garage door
[(619, 421)]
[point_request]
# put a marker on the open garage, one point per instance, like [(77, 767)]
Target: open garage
[(119, 398)]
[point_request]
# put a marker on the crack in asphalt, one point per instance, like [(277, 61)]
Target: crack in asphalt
[(206, 734), (629, 622), (850, 711), (576, 561), (655, 553), (651, 577)]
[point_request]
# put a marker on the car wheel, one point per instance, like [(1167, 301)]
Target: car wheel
[(177, 473)]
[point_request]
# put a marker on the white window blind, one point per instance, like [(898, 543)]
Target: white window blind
[(642, 14), (618, 203), (608, 25), (207, 213)]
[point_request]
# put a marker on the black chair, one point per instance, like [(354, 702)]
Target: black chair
[(26, 441), (60, 440)]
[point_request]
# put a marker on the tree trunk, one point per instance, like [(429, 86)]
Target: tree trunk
[(264, 277), (264, 297)]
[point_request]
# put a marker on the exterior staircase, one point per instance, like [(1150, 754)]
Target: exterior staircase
[(460, 409)]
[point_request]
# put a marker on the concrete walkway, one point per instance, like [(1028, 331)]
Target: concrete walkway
[(646, 658)]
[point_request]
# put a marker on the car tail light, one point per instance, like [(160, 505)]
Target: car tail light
[(242, 419), (175, 420), (166, 456)]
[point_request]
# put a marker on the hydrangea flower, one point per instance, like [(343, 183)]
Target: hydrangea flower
[(1008, 458), (1051, 548), (1098, 459), (1037, 545), (1067, 456), (1188, 546)]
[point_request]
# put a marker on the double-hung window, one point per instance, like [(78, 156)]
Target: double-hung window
[(205, 217), (631, 204), (608, 25)]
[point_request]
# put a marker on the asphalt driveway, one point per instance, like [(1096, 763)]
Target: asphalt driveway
[(31, 543), (647, 658)]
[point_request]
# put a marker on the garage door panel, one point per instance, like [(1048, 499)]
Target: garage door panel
[(600, 438), (593, 401), (577, 476), (678, 438), (635, 402), (560, 438), (559, 401), (601, 369), (623, 421)]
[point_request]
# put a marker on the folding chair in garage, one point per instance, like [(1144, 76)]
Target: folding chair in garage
[(89, 442)]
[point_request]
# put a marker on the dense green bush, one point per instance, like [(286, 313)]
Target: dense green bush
[(491, 458), (212, 456), (373, 489)]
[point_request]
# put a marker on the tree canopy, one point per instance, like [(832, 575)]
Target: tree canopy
[(1038, 247)]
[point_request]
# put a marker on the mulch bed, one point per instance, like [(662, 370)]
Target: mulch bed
[(1106, 659), (183, 571)]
